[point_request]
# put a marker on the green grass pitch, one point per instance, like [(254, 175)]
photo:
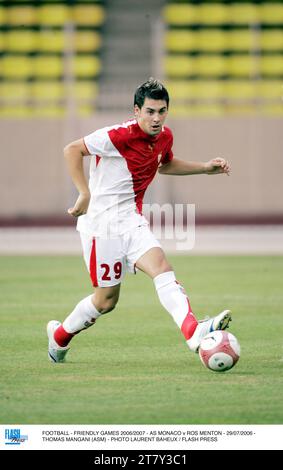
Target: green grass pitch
[(133, 366)]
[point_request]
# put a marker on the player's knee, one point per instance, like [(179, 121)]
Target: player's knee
[(163, 267), (107, 304)]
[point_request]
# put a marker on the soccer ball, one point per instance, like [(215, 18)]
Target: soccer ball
[(219, 351)]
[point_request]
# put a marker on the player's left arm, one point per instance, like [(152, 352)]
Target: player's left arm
[(181, 167)]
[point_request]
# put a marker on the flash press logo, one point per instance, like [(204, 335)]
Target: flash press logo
[(14, 437)]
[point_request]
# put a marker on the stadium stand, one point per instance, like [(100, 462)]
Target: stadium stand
[(224, 57), (49, 55)]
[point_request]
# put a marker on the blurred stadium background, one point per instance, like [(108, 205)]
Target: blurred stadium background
[(67, 68)]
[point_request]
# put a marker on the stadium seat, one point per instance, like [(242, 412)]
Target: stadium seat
[(48, 67), (179, 66), (240, 90), (181, 89), (210, 66), (270, 89), (214, 14), (51, 41), (86, 66), (87, 41), (88, 15), (212, 40), (48, 90), (15, 111), (21, 41), (53, 15), (271, 40), (270, 13), (23, 15), (181, 40), (85, 110), (49, 111), (177, 15), (15, 91), (196, 90), (271, 65), (240, 109), (209, 90), (206, 109), (271, 109), (85, 90), (2, 42), (242, 66), (244, 13), (17, 67), (242, 40), (3, 16)]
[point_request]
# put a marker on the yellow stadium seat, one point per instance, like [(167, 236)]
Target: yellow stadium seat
[(48, 90), (51, 41), (180, 89), (15, 91), (242, 40), (271, 40), (86, 66), (179, 66), (242, 66), (88, 15), (244, 13), (271, 65), (85, 90), (17, 67), (209, 90), (196, 89), (212, 40), (2, 42), (272, 109), (15, 111), (270, 89), (181, 14), (3, 14), (271, 13), (217, 13), (242, 90), (85, 110), (49, 111), (210, 66), (21, 41), (207, 109), (53, 15), (87, 41), (181, 41), (21, 15), (48, 67), (240, 109)]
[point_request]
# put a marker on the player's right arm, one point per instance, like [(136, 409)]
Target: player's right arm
[(74, 154)]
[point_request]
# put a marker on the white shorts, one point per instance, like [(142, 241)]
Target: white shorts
[(108, 260)]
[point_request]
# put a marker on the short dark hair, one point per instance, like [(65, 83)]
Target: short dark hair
[(153, 89)]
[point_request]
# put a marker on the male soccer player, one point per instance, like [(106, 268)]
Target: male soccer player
[(115, 236)]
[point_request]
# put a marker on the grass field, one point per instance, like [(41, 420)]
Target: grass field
[(133, 366)]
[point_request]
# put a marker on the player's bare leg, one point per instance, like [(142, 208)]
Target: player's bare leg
[(83, 316), (174, 299)]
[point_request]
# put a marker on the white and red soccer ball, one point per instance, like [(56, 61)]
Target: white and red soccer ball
[(219, 351)]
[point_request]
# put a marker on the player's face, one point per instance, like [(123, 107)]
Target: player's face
[(151, 116)]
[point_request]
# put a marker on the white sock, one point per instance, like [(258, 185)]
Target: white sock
[(83, 316), (174, 299)]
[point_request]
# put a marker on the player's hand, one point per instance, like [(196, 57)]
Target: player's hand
[(80, 206), (216, 166)]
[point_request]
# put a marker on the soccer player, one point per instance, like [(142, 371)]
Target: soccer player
[(115, 235)]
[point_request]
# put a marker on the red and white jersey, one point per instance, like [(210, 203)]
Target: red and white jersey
[(124, 162)]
